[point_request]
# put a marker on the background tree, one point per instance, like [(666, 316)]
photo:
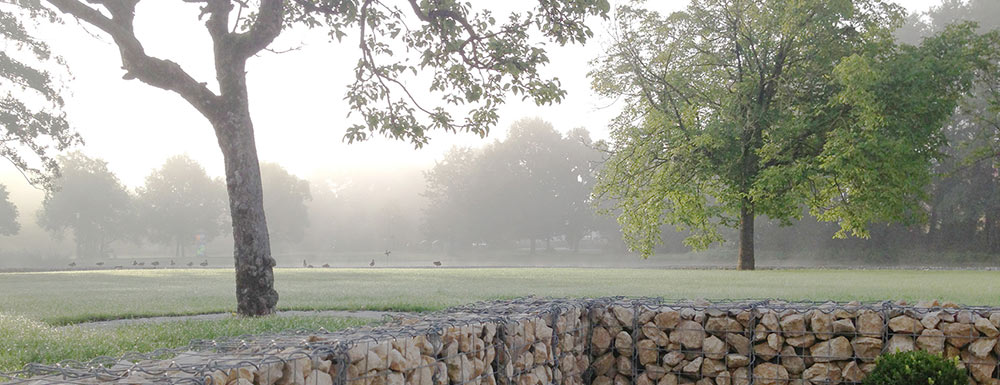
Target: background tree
[(180, 202), (285, 197), (472, 60), (8, 214), (32, 123), (89, 200), (742, 108)]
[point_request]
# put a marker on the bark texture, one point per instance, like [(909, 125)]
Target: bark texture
[(745, 252)]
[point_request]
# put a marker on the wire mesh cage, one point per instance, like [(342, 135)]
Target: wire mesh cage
[(544, 341)]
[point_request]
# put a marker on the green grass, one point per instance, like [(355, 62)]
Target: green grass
[(32, 303), (25, 340), (61, 298)]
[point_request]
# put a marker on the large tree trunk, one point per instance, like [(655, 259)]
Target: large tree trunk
[(745, 251), (255, 294)]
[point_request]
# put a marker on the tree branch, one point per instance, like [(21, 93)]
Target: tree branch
[(156, 72)]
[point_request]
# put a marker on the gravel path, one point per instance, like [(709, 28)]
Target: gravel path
[(365, 314)]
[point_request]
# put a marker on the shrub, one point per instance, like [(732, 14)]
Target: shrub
[(916, 368)]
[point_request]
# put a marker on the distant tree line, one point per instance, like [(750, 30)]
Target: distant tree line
[(179, 206), (534, 186)]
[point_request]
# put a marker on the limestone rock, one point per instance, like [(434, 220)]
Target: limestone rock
[(655, 334), (764, 351), (852, 373), (694, 366), (689, 333), (823, 373), (899, 343), (986, 327), (741, 376), (870, 324), (792, 361), (655, 372), (838, 348), (711, 368), (673, 358), (648, 352), (867, 348), (844, 326), (822, 324), (624, 315), (604, 363), (623, 343), (959, 334), (931, 341), (318, 377), (770, 323), (668, 379), (719, 325), (740, 343), (793, 325), (803, 341), (624, 365), (667, 319), (600, 339), (930, 320), (714, 348), (982, 347), (905, 324), (770, 374), (737, 360), (982, 368)]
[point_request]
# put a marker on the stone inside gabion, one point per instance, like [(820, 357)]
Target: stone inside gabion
[(607, 341)]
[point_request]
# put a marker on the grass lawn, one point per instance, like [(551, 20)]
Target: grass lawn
[(32, 304)]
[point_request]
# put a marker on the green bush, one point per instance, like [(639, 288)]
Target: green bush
[(916, 368)]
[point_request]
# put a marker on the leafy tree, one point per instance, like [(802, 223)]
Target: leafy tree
[(472, 59), (451, 206), (89, 200), (532, 154), (963, 213), (8, 214), (180, 202), (32, 123), (285, 197), (742, 108)]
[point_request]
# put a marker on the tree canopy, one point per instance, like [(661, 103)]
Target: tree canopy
[(32, 123), (89, 200), (8, 214), (285, 197), (180, 202), (741, 108)]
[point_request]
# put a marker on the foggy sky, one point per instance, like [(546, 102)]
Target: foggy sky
[(296, 99)]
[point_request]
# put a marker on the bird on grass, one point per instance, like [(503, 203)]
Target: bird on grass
[(437, 263), (190, 263), (327, 265), (134, 263), (72, 264), (100, 263), (203, 264), (119, 267), (172, 262), (309, 266), (142, 263), (304, 264), (372, 264), (155, 263)]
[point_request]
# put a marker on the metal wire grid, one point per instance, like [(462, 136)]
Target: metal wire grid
[(214, 362)]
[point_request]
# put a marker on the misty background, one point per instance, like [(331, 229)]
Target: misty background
[(521, 197)]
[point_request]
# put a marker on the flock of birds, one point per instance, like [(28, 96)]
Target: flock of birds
[(205, 263)]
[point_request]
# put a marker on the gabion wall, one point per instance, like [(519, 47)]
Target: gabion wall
[(608, 341)]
